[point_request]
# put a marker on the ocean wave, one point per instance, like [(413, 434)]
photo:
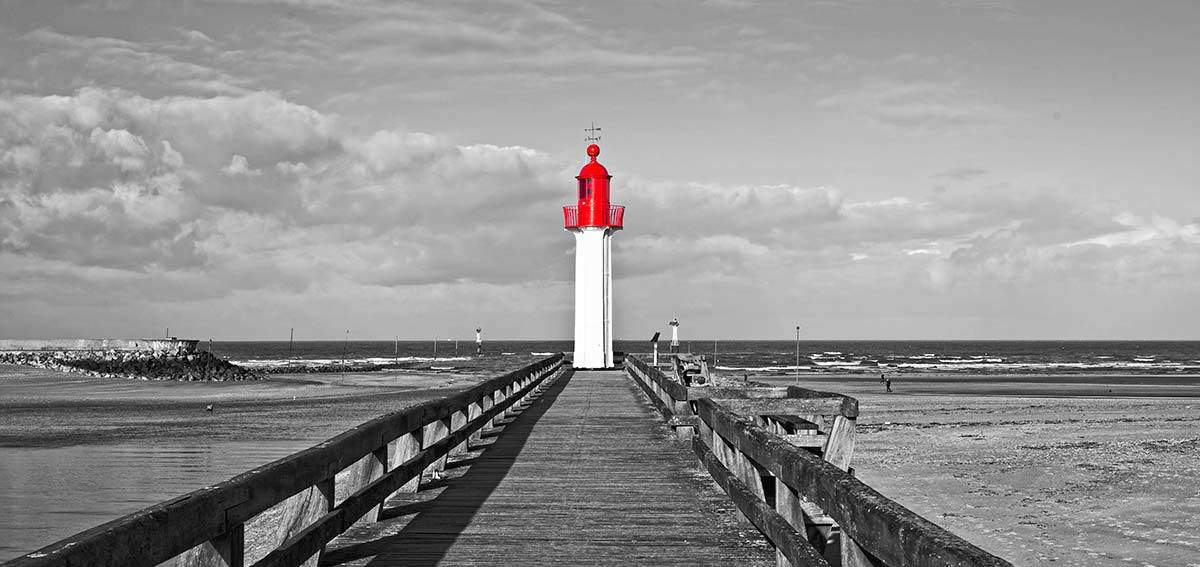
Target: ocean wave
[(761, 368), (274, 362), (975, 366)]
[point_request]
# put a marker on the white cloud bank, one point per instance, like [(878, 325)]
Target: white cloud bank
[(167, 206)]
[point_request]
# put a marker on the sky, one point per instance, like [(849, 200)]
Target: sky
[(867, 169)]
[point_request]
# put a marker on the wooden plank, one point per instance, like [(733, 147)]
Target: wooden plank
[(855, 556), (474, 410), (366, 471), (457, 421), (672, 387), (794, 424), (882, 527), (584, 476), (309, 540), (304, 509), (649, 389), (787, 540), (227, 550), (162, 531), (805, 440), (767, 406), (787, 505), (839, 447), (407, 446), (696, 392), (430, 436)]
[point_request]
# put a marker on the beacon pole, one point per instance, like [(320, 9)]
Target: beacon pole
[(797, 355)]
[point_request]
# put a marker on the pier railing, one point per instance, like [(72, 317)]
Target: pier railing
[(763, 446), (382, 457)]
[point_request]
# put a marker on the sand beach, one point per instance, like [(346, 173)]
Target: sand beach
[(1041, 470), (78, 450)]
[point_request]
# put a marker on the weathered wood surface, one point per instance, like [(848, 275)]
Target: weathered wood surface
[(586, 475), (793, 545), (217, 513), (881, 529)]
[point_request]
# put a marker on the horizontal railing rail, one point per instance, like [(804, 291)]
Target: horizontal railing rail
[(782, 454), (381, 457), (874, 529)]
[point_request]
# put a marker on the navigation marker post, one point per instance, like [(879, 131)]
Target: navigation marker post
[(797, 355)]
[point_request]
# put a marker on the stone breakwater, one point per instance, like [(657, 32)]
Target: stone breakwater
[(159, 364)]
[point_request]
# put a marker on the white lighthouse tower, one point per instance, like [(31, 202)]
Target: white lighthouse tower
[(593, 220)]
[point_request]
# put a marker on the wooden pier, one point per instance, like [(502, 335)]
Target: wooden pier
[(545, 465)]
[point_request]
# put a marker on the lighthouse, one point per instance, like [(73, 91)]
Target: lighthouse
[(593, 220)]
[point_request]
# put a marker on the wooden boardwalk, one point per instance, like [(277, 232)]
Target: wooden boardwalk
[(587, 475)]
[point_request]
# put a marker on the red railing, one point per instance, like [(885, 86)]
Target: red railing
[(571, 216), (615, 220), (616, 216)]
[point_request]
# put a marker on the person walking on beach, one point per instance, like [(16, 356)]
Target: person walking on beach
[(887, 383)]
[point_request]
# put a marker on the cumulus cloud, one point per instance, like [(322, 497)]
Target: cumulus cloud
[(105, 194)]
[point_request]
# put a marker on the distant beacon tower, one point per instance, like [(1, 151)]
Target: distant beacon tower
[(674, 332), (593, 220), (478, 340)]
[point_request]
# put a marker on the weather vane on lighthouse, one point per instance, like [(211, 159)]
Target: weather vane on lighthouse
[(593, 133), (593, 220)]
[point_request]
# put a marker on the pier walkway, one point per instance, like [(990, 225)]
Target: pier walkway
[(585, 475), (544, 465)]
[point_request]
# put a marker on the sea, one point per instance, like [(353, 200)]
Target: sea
[(754, 357)]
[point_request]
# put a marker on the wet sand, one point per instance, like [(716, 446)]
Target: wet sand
[(76, 451), (1041, 470)]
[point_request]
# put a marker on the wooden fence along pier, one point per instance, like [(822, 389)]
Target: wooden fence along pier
[(548, 466)]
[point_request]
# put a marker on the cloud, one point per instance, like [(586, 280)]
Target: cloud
[(180, 65), (108, 196), (965, 173), (919, 105)]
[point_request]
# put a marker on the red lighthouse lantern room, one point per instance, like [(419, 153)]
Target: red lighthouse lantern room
[(593, 209)]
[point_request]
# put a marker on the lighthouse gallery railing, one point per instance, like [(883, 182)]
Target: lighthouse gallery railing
[(616, 216)]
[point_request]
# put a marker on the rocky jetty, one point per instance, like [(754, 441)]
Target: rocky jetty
[(158, 364)]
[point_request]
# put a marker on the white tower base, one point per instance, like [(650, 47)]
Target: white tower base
[(593, 298)]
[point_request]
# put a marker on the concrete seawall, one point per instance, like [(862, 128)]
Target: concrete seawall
[(172, 346)]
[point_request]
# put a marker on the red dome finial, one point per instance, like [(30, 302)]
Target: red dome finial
[(593, 151)]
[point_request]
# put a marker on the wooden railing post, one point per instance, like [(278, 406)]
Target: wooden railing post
[(839, 447), (227, 550), (497, 399), (435, 431), (475, 410), (302, 510), (366, 471), (854, 556), (207, 526), (407, 447), (787, 503), (458, 420)]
